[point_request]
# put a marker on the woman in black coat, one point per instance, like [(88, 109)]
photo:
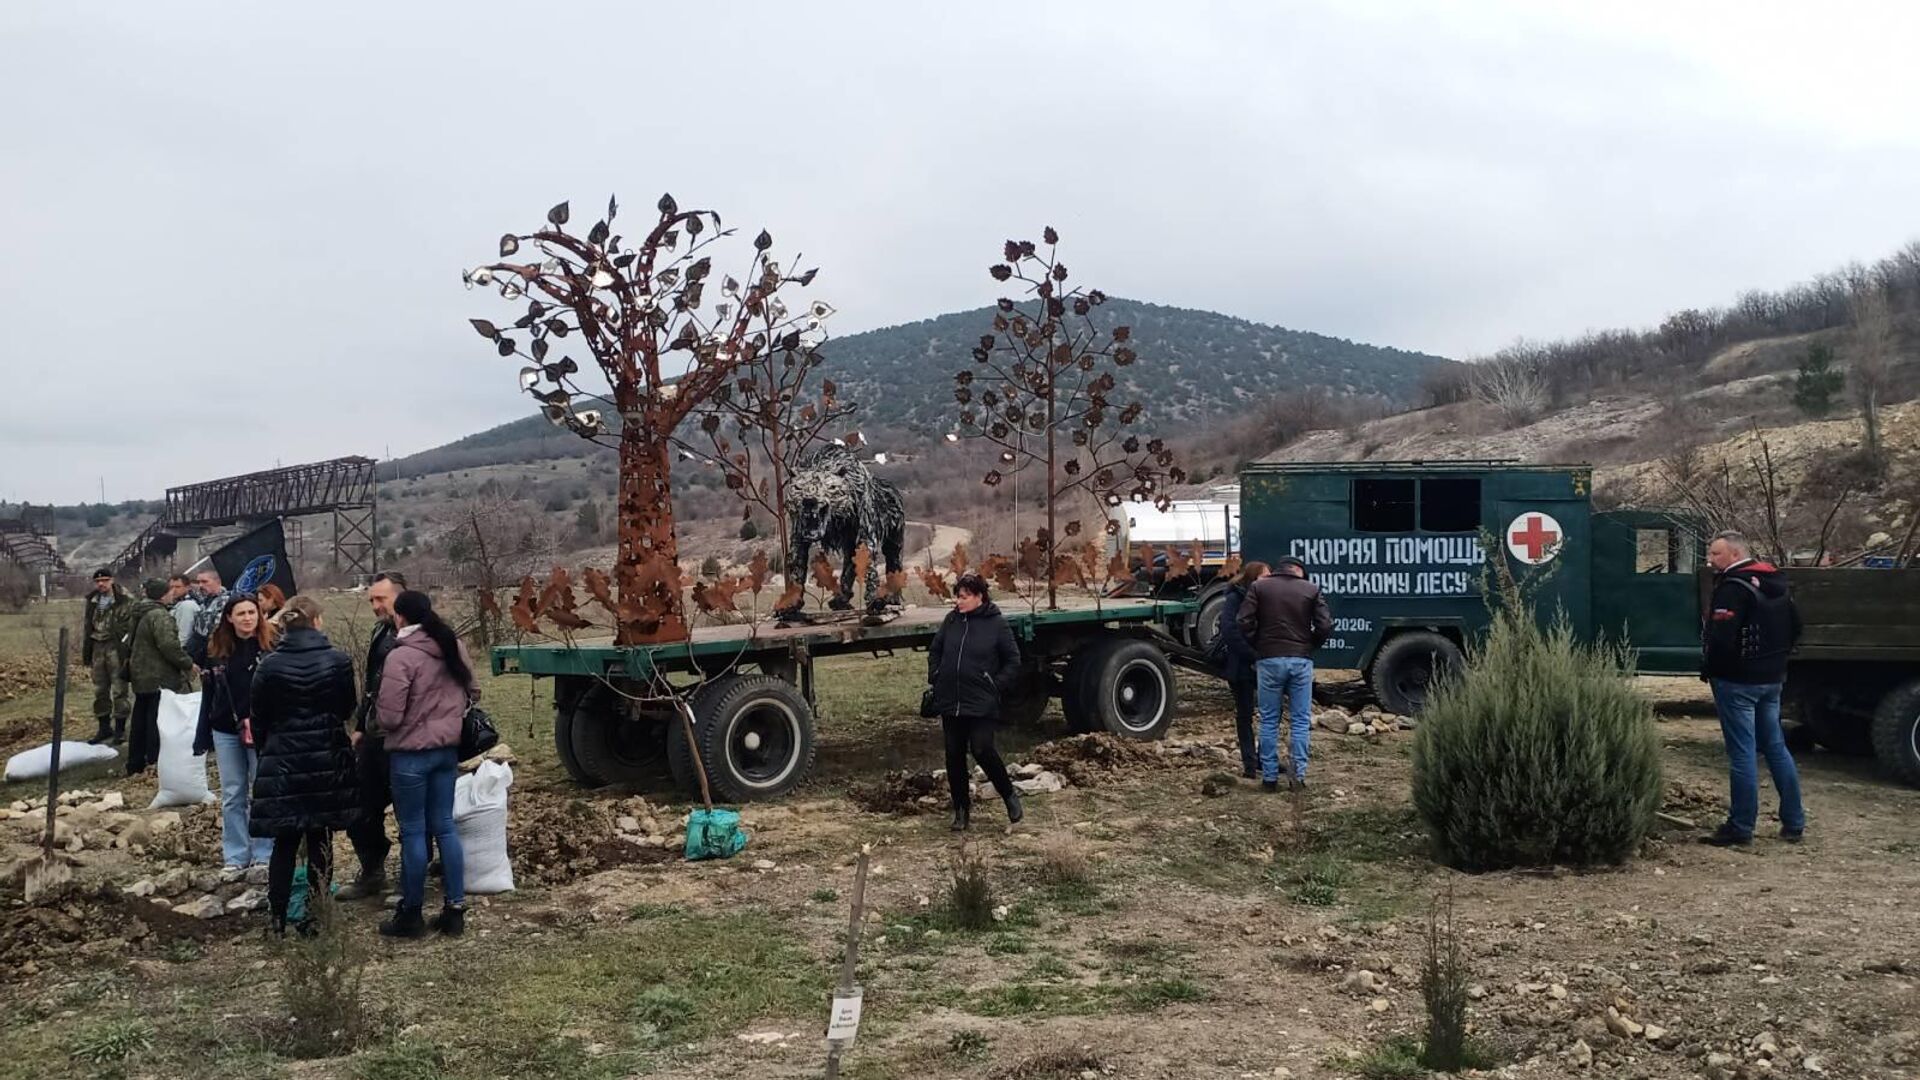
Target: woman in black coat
[(306, 785), (1241, 676), (973, 655)]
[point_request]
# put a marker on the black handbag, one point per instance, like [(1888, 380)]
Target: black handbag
[(477, 733), (927, 708)]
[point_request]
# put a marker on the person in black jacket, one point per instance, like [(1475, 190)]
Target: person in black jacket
[(306, 785), (1750, 627), (1241, 675), (973, 655), (225, 729), (369, 835)]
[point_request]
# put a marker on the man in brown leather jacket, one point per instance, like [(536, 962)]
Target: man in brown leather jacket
[(1285, 617)]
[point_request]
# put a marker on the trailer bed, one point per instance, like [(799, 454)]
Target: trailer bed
[(722, 645)]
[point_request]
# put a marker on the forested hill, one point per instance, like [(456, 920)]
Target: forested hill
[(1194, 366)]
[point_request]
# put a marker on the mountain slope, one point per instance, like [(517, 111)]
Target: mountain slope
[(1194, 366)]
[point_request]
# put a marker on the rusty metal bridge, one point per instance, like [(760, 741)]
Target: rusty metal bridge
[(343, 487), (25, 542)]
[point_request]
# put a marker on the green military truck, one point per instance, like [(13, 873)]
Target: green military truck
[(1398, 548)]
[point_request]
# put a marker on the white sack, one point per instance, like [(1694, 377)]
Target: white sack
[(183, 777), (28, 764), (480, 817)]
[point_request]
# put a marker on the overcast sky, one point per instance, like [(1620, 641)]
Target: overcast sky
[(233, 233)]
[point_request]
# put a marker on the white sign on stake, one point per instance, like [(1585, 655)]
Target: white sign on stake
[(844, 1023)]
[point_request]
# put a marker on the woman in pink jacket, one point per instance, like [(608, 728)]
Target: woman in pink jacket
[(425, 688)]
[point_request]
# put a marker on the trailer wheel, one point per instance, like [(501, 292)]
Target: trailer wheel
[(614, 742), (1406, 667), (1207, 623), (1074, 695), (1896, 732), (1026, 702), (1128, 689), (569, 712), (755, 735), (1837, 730)]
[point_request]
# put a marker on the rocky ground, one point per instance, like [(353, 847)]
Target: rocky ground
[(1154, 916)]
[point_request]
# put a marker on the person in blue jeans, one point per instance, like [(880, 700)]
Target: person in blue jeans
[(226, 728), (1285, 618), (426, 686), (1750, 626)]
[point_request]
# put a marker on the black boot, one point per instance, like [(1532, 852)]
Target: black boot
[(119, 730), (405, 923), (1014, 810), (452, 921), (961, 813), (105, 733), (374, 885)]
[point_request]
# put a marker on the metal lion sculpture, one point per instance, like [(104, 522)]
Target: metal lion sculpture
[(835, 502)]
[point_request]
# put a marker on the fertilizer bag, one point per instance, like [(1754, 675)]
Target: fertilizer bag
[(480, 817), (714, 834), (183, 777), (28, 764)]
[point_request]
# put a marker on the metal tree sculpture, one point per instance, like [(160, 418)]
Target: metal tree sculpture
[(640, 309), (1040, 390), (761, 424)]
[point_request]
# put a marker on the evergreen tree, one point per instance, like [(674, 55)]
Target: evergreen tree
[(1816, 385)]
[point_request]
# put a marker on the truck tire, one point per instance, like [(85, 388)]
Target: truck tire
[(567, 713), (1207, 622), (1074, 696), (1839, 731), (613, 742), (1128, 689), (755, 736), (1406, 667), (1896, 732), (1026, 701)]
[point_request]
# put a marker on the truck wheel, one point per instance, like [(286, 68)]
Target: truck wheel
[(1026, 702), (1407, 666), (755, 735), (1839, 731), (614, 741), (1896, 732), (1074, 696), (1207, 623), (567, 712), (1129, 689)]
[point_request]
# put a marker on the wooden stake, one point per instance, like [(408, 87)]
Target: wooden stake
[(850, 967)]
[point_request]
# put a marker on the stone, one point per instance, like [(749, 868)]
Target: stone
[(1357, 728), (1364, 981), (112, 800), (141, 888), (1001, 912), (763, 864), (1379, 1005), (627, 823), (172, 882), (1217, 784), (256, 874), (1045, 783), (1815, 1064), (206, 881), (20, 806), (1620, 1025), (1029, 770), (1557, 992), (1581, 1053), (1654, 1033), (207, 907), (161, 822), (1476, 991), (1332, 720), (250, 900)]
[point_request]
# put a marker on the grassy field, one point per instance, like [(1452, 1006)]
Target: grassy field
[(1134, 926)]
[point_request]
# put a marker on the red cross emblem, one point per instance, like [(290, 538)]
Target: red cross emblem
[(1534, 537)]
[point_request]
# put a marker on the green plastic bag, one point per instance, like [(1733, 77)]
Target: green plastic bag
[(714, 834), (297, 900)]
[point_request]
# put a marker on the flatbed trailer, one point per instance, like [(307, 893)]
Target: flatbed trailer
[(750, 692)]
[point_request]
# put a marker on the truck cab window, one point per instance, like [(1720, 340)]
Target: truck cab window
[(1658, 551), (1381, 505), (1450, 504)]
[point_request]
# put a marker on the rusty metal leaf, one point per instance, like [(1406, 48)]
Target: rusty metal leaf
[(558, 215), (957, 561)]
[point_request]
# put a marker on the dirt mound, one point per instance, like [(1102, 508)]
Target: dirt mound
[(22, 675), (1053, 1065), (901, 792), (1086, 760), (554, 841), (1693, 801), (100, 921), (195, 841)]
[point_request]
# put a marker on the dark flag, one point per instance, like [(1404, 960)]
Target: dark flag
[(255, 559)]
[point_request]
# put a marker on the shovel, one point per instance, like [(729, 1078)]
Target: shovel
[(47, 871), (711, 833)]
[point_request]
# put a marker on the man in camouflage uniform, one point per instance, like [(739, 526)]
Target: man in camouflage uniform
[(103, 650)]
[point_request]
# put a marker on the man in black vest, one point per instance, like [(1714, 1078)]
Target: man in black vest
[(369, 834), (1750, 627)]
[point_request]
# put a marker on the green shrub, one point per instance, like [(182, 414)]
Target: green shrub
[(1539, 753), (970, 894)]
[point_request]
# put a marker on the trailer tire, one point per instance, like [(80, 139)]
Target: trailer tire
[(1026, 702), (1896, 732), (1406, 666), (755, 736), (1074, 695), (1128, 689), (1207, 623), (611, 743), (1838, 731), (566, 715)]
